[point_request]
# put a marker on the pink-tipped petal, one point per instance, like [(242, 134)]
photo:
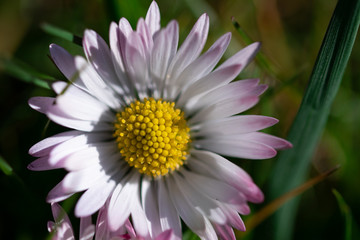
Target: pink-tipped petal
[(240, 149), (41, 104), (64, 61), (275, 142), (98, 54), (243, 57), (205, 84), (235, 125), (191, 47), (87, 229), (43, 147), (207, 206), (43, 164), (152, 18), (166, 235), (224, 232), (165, 45), (225, 108), (205, 63), (215, 166), (240, 88)]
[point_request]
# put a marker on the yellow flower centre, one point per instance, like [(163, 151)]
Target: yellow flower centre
[(152, 136)]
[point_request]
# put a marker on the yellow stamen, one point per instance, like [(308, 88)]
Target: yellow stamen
[(152, 136)]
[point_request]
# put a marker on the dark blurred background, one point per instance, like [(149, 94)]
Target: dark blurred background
[(291, 33)]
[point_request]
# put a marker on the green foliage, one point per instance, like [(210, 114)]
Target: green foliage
[(346, 211), (25, 73), (293, 165), (61, 33), (5, 167)]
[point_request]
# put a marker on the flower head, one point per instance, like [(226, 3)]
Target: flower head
[(151, 124)]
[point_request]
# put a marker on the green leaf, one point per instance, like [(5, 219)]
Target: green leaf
[(293, 164), (345, 210), (61, 33), (5, 167), (189, 235), (25, 73), (131, 10)]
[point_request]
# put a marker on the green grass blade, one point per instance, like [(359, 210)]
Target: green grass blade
[(5, 167), (263, 62), (61, 33), (345, 210), (293, 164), (23, 72), (189, 235)]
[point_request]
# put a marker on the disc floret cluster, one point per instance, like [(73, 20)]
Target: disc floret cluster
[(152, 136)]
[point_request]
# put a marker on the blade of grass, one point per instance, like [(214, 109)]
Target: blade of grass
[(346, 211), (61, 33), (25, 73), (189, 235), (293, 164), (261, 59), (5, 167)]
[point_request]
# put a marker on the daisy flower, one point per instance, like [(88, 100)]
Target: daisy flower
[(151, 126), (61, 229)]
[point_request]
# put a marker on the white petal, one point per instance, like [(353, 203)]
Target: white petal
[(165, 45), (169, 217), (225, 108), (98, 54), (41, 104), (152, 18), (144, 32), (94, 154), (205, 63), (149, 204), (121, 201), (87, 229), (78, 94), (58, 193), (189, 214), (94, 198), (224, 232), (217, 167), (43, 164), (81, 180), (191, 48), (75, 144), (204, 204), (239, 88), (83, 110), (213, 188), (138, 216), (59, 214), (233, 148), (43, 147), (233, 217), (64, 61), (234, 125), (207, 83), (272, 141), (95, 84), (81, 125), (243, 57)]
